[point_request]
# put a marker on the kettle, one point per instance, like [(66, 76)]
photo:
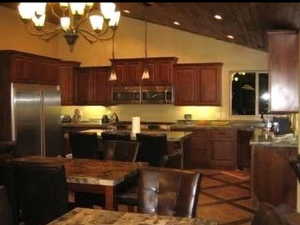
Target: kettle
[(105, 119)]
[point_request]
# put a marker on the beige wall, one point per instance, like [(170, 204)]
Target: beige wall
[(164, 41), (14, 36)]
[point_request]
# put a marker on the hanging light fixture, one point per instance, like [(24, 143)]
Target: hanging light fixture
[(145, 75), (72, 15), (113, 74)]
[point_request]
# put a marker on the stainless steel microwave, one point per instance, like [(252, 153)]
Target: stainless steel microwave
[(143, 95)]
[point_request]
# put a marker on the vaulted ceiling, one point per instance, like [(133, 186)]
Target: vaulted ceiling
[(247, 22)]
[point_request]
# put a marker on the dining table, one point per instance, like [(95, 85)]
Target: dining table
[(90, 175), (85, 216)]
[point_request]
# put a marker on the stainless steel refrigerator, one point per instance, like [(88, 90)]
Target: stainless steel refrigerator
[(36, 126)]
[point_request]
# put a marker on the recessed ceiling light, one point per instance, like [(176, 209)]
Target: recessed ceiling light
[(126, 11), (230, 37), (218, 17), (176, 23)]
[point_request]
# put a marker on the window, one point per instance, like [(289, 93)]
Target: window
[(250, 93)]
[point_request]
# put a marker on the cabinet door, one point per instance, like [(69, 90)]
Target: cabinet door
[(49, 73), (133, 74), (100, 86), (223, 154), (164, 72), (83, 92), (210, 90), (197, 154), (186, 86), (66, 82), (22, 69), (284, 71)]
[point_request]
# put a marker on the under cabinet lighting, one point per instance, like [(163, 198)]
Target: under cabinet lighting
[(218, 17), (126, 11), (176, 23), (230, 37)]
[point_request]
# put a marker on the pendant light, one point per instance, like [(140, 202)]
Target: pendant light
[(113, 74), (146, 75)]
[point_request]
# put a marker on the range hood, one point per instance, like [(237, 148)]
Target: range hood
[(143, 95)]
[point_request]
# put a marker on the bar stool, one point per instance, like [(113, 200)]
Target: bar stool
[(84, 145)]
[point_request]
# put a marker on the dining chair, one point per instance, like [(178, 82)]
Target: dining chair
[(42, 192), (84, 145), (120, 150), (153, 149), (295, 164), (166, 191), (5, 208), (268, 214)]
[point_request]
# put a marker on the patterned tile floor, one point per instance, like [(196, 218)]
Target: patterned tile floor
[(225, 199)]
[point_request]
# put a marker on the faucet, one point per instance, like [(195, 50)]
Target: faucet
[(115, 117)]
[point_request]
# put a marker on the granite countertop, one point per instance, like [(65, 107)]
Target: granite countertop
[(171, 135), (84, 216), (288, 143), (89, 171)]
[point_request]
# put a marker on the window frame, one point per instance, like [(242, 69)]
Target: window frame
[(257, 115)]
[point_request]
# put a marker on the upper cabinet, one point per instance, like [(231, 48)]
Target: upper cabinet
[(284, 71), (91, 86), (67, 76), (129, 71), (198, 84), (29, 68)]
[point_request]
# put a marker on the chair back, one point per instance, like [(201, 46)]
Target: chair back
[(5, 208), (117, 136), (84, 145), (168, 192), (295, 164), (269, 215), (121, 150), (42, 191), (152, 149)]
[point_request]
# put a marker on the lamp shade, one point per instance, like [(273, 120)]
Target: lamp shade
[(26, 10), (114, 19), (107, 9), (96, 22), (65, 23)]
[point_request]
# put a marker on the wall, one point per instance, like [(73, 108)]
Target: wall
[(14, 36), (164, 41)]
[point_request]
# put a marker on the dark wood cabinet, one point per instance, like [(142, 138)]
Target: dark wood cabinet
[(198, 84), (29, 68), (67, 75), (223, 149), (244, 148), (283, 49), (129, 71), (272, 178), (197, 152), (92, 86)]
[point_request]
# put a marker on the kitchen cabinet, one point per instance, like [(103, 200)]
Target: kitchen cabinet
[(67, 75), (29, 68), (197, 153), (129, 71), (223, 148), (272, 178), (198, 84), (92, 86), (283, 49), (244, 148)]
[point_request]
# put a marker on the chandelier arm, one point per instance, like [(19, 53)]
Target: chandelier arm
[(86, 37), (53, 11), (33, 31), (95, 36)]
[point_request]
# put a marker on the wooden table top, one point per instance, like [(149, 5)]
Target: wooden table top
[(80, 216), (171, 135), (89, 171)]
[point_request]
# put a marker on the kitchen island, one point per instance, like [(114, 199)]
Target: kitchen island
[(272, 178)]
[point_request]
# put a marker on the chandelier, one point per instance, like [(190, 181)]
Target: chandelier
[(72, 16)]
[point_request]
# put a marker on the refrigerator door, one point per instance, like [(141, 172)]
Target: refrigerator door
[(26, 119), (53, 135)]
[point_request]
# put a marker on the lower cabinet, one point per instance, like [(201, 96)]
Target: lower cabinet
[(214, 148)]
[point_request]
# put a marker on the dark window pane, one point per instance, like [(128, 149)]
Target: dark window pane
[(243, 94), (263, 93)]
